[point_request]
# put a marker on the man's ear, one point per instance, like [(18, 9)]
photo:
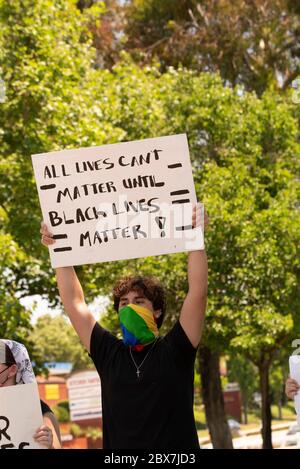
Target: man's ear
[(13, 371)]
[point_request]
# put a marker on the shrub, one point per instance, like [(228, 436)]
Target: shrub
[(61, 414), (76, 430), (93, 433), (64, 405)]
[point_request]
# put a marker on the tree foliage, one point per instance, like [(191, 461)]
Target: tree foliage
[(244, 151), (55, 340), (247, 42)]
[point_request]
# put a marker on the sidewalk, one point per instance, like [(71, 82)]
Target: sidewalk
[(205, 442)]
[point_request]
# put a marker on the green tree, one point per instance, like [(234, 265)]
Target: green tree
[(55, 340), (278, 375), (251, 43), (46, 62), (244, 152), (45, 57), (242, 371), (14, 318), (107, 28), (254, 255), (245, 156)]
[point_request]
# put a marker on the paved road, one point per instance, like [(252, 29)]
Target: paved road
[(280, 440)]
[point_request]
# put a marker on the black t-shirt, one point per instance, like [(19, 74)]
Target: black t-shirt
[(45, 408), (154, 411)]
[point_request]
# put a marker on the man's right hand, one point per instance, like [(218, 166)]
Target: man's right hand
[(47, 236), (291, 388)]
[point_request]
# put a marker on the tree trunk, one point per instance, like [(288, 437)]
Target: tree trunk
[(245, 411), (284, 399), (213, 399), (279, 410), (265, 406)]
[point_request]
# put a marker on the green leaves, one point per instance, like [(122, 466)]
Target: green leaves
[(54, 339), (247, 43), (244, 152)]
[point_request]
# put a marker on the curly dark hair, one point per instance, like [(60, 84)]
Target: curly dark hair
[(148, 286)]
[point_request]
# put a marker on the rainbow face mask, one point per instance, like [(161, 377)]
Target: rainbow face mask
[(138, 325)]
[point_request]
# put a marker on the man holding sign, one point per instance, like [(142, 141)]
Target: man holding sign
[(147, 380), (124, 201), (118, 201)]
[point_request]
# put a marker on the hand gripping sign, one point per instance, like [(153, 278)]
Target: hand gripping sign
[(118, 201)]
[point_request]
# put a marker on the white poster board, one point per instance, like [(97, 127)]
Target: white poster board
[(84, 392), (119, 201), (20, 416)]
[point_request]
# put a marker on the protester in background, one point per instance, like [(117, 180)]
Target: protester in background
[(16, 368)]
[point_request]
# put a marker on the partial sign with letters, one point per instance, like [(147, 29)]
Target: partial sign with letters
[(20, 416), (84, 391)]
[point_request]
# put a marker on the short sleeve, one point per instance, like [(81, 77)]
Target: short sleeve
[(102, 345), (180, 345)]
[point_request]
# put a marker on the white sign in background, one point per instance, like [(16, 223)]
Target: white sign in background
[(84, 391), (20, 416), (118, 201)]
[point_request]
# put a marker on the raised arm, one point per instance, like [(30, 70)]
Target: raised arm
[(72, 296), (193, 310)]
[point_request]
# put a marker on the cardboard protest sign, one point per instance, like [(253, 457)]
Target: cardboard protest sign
[(20, 416), (119, 201)]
